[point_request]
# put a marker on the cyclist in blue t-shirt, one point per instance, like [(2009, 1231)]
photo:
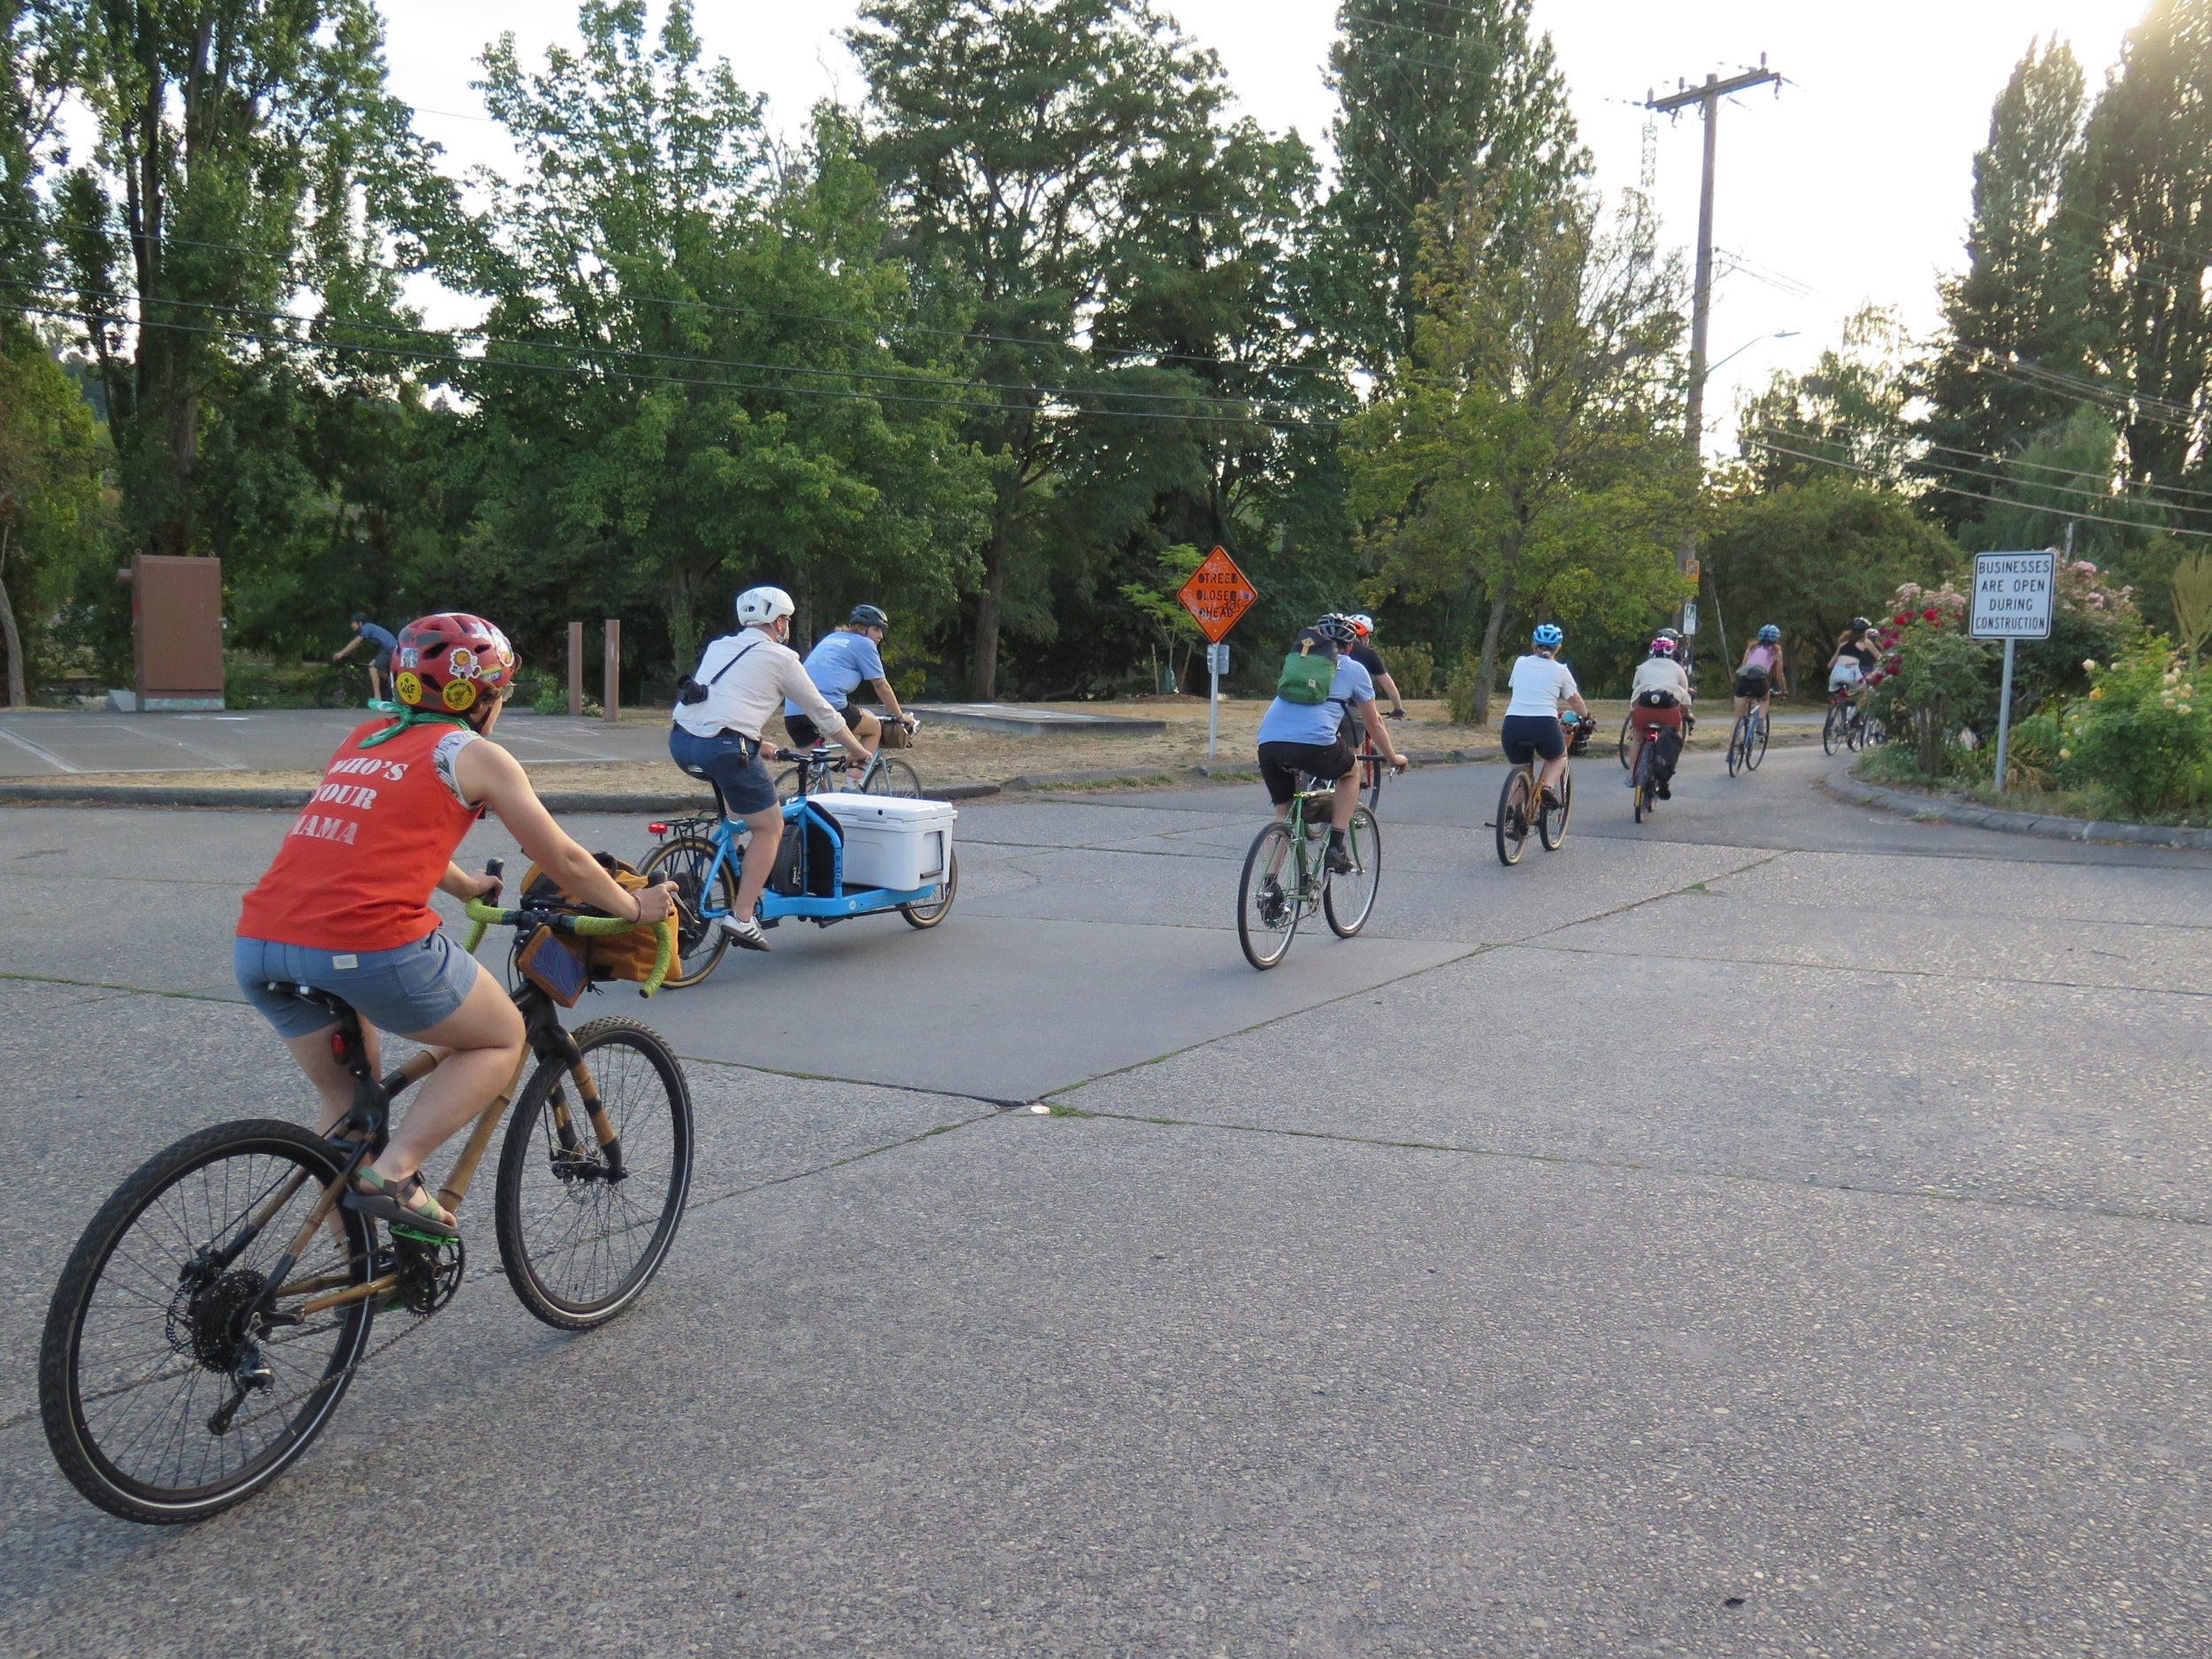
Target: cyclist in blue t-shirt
[(367, 633), (843, 660), (1307, 737)]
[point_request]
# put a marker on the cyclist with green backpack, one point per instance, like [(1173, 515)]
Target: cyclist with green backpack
[(1300, 732)]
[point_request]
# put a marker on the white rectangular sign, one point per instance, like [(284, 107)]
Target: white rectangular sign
[(2012, 596), (1217, 659)]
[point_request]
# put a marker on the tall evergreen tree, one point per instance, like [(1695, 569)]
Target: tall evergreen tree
[(1437, 101), (2021, 312), (2151, 138)]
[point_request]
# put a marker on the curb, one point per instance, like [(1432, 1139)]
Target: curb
[(1952, 809)]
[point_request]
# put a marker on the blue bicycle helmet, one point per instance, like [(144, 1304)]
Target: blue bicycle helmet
[(1769, 634), (1550, 634)]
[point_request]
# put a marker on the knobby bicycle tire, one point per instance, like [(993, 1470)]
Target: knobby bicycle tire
[(700, 940), (1347, 914), (928, 912), (563, 1224), (94, 1359), (1512, 822), (1266, 942)]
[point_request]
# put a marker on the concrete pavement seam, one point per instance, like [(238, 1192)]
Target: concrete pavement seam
[(107, 985), (1647, 1167)]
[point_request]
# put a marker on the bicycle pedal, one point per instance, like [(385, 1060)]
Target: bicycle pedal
[(400, 1230)]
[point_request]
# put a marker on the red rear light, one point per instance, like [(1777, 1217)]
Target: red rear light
[(656, 829)]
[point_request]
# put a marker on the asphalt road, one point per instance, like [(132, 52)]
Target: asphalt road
[(1778, 1229)]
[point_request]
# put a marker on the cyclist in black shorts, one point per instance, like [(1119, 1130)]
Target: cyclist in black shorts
[(1297, 738)]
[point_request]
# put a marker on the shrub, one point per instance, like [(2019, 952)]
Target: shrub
[(1459, 691), (1932, 683), (2144, 733), (1414, 668)]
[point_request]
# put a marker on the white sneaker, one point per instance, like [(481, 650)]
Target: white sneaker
[(745, 930)]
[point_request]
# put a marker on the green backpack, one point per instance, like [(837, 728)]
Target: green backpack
[(1306, 678)]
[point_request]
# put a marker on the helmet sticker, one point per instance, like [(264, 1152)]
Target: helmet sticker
[(409, 686), (409, 657), (461, 662), (459, 695)]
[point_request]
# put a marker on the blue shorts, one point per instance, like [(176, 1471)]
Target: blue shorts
[(406, 990), (731, 763)]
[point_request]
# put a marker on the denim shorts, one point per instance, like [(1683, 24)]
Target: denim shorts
[(732, 762), (406, 990)]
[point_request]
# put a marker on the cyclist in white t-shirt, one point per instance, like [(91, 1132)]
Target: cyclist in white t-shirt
[(1540, 683)]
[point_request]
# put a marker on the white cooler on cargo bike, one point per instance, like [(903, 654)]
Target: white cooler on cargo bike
[(891, 842)]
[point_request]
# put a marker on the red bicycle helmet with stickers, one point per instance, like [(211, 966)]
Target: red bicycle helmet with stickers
[(451, 662)]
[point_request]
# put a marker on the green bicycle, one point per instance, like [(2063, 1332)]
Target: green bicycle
[(1286, 876)]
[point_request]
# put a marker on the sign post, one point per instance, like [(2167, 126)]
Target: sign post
[(2012, 602), (1216, 595)]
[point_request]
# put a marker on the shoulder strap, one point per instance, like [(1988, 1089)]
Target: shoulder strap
[(728, 665)]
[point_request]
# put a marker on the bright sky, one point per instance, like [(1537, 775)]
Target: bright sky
[(1852, 187)]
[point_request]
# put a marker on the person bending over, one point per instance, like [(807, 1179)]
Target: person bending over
[(843, 660)]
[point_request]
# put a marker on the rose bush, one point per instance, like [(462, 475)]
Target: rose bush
[(2143, 734)]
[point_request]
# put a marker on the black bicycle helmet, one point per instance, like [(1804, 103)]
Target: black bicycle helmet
[(1860, 625), (868, 616)]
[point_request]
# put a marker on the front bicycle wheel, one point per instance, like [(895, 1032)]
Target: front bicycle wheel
[(889, 776), (700, 903), (1551, 824), (1513, 816), (1267, 917), (170, 1385), (1835, 731), (1756, 744), (1347, 900), (588, 1203), (928, 912)]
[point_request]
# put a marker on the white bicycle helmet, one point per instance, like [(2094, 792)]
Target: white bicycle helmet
[(759, 607)]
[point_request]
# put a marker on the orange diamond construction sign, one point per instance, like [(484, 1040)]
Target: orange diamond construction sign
[(1217, 595)]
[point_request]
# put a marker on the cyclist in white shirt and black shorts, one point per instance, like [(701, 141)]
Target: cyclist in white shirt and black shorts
[(741, 683), (1531, 728)]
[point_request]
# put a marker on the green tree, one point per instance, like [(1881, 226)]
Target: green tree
[(2151, 213), (690, 388), (1846, 414), (51, 457), (1530, 459), (1808, 556), (1437, 102), (223, 136), (2021, 312), (1014, 136)]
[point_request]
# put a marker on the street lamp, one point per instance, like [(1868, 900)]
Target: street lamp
[(1781, 333)]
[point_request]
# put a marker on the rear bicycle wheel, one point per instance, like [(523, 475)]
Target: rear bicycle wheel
[(165, 1396), (928, 912), (1347, 900), (1551, 824), (580, 1238), (892, 777), (1642, 786), (1267, 917), (1835, 731), (700, 941), (1513, 814)]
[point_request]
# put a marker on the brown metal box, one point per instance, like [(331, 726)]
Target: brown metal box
[(177, 627)]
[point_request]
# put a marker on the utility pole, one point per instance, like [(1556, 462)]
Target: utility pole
[(1707, 97)]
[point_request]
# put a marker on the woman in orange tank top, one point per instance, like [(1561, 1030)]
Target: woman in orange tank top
[(345, 905)]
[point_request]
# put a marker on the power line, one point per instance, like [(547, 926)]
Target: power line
[(579, 372), (1949, 489), (2107, 494), (610, 350), (2069, 471)]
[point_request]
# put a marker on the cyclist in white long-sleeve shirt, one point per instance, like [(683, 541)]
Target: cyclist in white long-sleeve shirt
[(742, 680)]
